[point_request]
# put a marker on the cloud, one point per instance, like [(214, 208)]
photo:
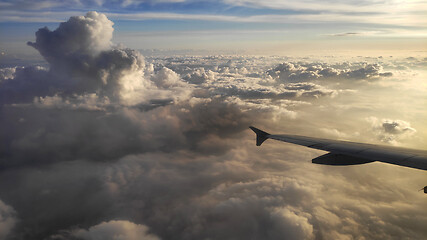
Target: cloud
[(107, 142), (334, 6), (73, 129), (345, 34), (199, 76), (98, 102), (82, 35), (369, 16), (6, 73), (390, 131), (295, 72), (7, 219), (115, 230), (243, 193), (82, 60)]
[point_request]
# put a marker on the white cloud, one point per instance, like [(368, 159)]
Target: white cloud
[(83, 61), (87, 35)]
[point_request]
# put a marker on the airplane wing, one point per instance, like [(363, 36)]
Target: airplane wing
[(351, 153)]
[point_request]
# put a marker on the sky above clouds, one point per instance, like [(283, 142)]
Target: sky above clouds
[(248, 27), (131, 121)]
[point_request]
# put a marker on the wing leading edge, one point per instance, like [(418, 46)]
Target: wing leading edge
[(351, 153)]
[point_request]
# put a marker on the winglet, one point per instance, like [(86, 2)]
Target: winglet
[(261, 136)]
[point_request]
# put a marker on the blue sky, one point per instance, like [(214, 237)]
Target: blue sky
[(269, 26)]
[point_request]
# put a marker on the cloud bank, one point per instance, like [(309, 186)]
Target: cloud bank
[(108, 144)]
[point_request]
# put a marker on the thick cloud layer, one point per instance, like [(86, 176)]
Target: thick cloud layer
[(106, 144)]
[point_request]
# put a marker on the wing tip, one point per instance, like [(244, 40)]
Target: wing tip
[(261, 136)]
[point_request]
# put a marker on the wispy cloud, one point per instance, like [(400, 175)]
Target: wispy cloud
[(399, 20), (351, 7)]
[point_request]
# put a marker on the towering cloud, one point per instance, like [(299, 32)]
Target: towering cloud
[(83, 35), (83, 60)]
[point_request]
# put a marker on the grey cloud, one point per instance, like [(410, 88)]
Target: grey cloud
[(114, 229), (27, 83), (397, 127), (369, 71), (7, 219), (296, 72), (224, 197), (248, 90), (60, 199), (391, 131), (35, 135), (199, 76), (345, 34), (243, 78)]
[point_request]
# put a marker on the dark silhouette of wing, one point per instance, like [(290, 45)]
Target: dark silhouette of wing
[(351, 153)]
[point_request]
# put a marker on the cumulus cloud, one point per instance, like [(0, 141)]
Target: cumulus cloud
[(200, 75), (82, 60), (81, 35)]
